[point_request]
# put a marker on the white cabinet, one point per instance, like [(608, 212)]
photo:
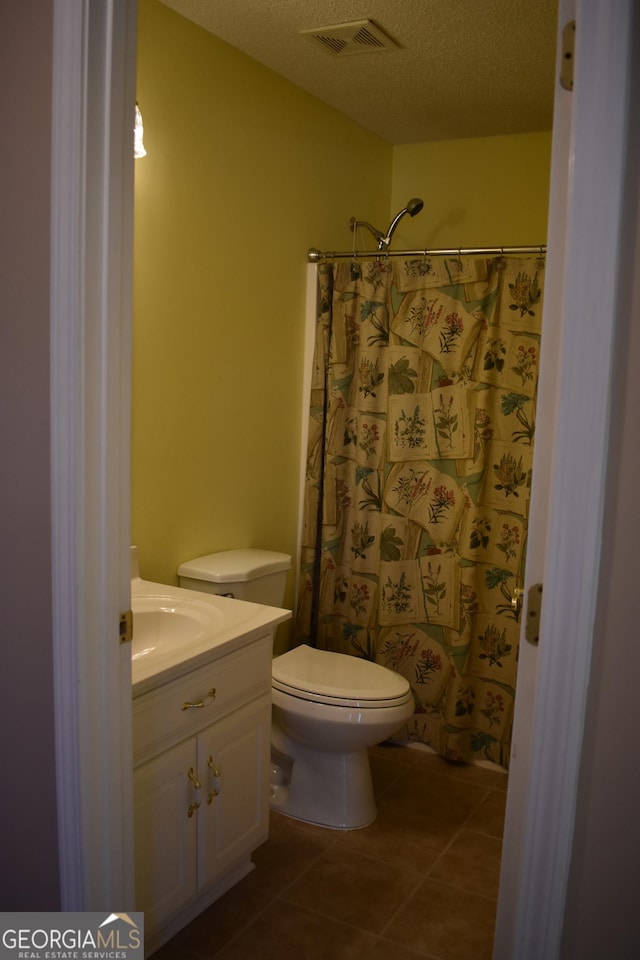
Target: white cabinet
[(201, 785), (165, 837), (233, 760)]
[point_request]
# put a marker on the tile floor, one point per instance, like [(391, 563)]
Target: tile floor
[(421, 881)]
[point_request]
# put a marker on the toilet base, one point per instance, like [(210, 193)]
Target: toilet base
[(328, 789)]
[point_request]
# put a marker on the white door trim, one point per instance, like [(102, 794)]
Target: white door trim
[(578, 477), (66, 267), (91, 229), (520, 762)]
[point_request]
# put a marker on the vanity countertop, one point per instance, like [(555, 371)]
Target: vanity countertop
[(176, 631)]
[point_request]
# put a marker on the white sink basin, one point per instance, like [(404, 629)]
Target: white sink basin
[(176, 630), (161, 624)]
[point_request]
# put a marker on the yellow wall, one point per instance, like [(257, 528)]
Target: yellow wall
[(488, 191), (244, 173)]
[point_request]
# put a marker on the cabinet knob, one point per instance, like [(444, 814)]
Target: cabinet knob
[(215, 780), (197, 786), (199, 704)]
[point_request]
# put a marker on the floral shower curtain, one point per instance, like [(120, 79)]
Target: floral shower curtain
[(418, 481)]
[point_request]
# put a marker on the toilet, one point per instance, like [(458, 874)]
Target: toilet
[(328, 708)]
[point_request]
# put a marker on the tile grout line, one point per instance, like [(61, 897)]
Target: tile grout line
[(402, 907), (378, 935), (277, 896), (456, 836), (428, 873)]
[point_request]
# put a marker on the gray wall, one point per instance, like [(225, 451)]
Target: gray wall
[(28, 827)]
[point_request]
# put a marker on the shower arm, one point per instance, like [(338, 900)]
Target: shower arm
[(378, 234), (412, 208)]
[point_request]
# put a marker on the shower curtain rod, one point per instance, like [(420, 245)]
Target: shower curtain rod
[(316, 255)]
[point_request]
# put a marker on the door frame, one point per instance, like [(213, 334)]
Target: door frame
[(586, 215), (93, 100), (94, 43), (522, 734)]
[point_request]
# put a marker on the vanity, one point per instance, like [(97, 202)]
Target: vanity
[(201, 675)]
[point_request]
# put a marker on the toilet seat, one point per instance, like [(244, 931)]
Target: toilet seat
[(322, 676)]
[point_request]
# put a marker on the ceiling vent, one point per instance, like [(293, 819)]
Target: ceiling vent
[(359, 36)]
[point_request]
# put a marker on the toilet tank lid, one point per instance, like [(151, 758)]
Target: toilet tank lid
[(235, 566)]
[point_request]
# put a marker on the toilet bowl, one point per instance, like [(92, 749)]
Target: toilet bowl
[(328, 708)]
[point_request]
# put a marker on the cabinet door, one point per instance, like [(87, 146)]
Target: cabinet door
[(165, 834), (233, 761)]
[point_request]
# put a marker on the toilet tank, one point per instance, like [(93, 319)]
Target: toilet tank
[(256, 575)]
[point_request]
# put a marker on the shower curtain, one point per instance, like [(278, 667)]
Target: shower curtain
[(417, 484)]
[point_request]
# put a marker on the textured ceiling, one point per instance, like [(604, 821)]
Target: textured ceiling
[(463, 68)]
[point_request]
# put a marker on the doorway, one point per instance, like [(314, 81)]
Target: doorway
[(539, 848)]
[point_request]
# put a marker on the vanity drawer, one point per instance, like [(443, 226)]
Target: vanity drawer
[(160, 718)]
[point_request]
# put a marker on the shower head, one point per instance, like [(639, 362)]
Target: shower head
[(413, 207)]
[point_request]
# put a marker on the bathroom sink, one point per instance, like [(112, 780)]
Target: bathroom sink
[(164, 624), (177, 630)]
